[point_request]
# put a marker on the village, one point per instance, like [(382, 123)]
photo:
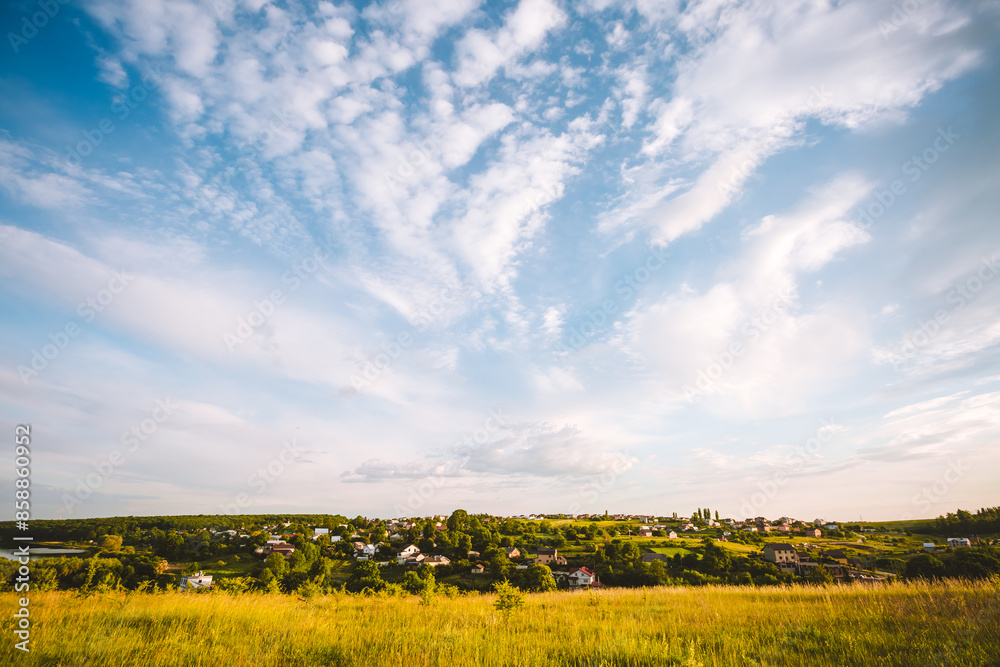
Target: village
[(569, 547)]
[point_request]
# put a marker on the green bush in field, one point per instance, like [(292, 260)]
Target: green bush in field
[(508, 599)]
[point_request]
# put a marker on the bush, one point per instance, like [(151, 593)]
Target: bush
[(508, 599)]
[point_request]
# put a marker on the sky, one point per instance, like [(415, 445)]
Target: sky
[(397, 258)]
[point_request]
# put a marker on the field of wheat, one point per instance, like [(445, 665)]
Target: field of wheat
[(953, 623)]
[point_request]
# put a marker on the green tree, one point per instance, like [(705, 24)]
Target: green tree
[(819, 575), (365, 575), (924, 566), (509, 598), (538, 578), (277, 564), (111, 542)]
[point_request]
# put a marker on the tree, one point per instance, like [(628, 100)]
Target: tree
[(459, 520), (111, 542), (365, 575), (819, 575), (538, 578), (508, 599), (277, 564), (924, 566)]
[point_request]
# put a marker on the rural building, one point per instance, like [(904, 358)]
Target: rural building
[(959, 542), (434, 561), (197, 580), (780, 554), (581, 576), (837, 556), (548, 556)]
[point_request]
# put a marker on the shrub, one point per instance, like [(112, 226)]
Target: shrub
[(508, 599)]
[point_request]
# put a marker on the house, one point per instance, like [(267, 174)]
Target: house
[(645, 531), (408, 550), (478, 569), (959, 542), (929, 546), (814, 532), (805, 561), (649, 558), (320, 531), (581, 576), (367, 551), (406, 553), (434, 561), (473, 554), (780, 554), (513, 552), (672, 535), (285, 550), (415, 559), (837, 556), (197, 580), (548, 556), (831, 526)]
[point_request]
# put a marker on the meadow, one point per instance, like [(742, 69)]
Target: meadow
[(952, 622)]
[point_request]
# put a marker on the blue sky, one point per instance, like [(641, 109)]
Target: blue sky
[(397, 258)]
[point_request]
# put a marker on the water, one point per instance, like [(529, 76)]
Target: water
[(42, 552)]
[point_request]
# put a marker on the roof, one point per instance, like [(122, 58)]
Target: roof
[(546, 551), (582, 569), (836, 553), (649, 558), (778, 546)]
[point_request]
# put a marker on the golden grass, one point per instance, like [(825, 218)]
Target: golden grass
[(898, 624)]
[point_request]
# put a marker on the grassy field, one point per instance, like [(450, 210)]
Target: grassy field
[(897, 624)]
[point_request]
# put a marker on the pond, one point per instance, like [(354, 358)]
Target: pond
[(42, 552)]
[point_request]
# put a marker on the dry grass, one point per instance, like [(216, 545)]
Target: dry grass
[(899, 624)]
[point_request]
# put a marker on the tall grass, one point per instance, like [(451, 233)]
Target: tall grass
[(897, 624)]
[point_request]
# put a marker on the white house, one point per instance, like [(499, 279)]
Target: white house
[(581, 576), (434, 561), (672, 535), (407, 552), (929, 546), (197, 580), (320, 531), (959, 542)]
